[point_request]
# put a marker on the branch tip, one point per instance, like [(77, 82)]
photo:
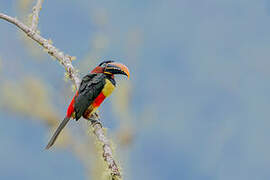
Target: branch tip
[(35, 14)]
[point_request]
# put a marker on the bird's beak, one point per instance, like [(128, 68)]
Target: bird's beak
[(116, 68)]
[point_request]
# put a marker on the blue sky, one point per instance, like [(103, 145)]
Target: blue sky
[(200, 86)]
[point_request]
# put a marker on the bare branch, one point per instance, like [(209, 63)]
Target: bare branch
[(36, 10), (66, 61), (107, 150)]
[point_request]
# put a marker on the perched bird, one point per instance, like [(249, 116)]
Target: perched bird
[(94, 88)]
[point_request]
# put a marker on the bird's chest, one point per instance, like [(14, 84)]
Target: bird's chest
[(106, 91), (108, 88)]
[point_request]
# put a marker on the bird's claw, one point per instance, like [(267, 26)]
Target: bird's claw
[(94, 119)]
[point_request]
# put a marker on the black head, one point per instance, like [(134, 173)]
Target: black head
[(111, 68), (104, 63)]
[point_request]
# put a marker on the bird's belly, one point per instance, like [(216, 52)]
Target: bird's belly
[(88, 112), (106, 91)]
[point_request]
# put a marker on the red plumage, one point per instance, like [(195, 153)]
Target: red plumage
[(70, 109), (98, 100)]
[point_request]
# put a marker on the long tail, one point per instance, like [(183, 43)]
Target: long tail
[(57, 132)]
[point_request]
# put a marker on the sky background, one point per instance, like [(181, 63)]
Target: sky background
[(198, 96)]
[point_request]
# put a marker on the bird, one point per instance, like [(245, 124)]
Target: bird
[(94, 88)]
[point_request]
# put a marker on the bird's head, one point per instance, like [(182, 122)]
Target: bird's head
[(111, 68)]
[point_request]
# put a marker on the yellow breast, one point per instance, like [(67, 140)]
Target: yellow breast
[(108, 88)]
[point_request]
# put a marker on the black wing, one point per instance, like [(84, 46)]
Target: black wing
[(90, 87)]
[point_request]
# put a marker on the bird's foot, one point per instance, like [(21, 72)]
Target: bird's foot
[(94, 119), (96, 116)]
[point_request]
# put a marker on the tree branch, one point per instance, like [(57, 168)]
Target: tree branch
[(36, 10), (107, 150), (66, 61)]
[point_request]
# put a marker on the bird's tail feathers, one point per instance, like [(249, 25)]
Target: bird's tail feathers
[(57, 132)]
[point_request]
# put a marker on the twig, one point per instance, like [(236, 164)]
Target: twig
[(36, 10), (65, 60)]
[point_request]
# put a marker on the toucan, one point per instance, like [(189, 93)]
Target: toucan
[(93, 89)]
